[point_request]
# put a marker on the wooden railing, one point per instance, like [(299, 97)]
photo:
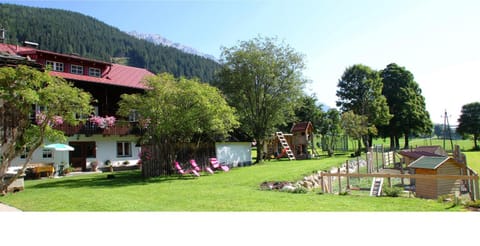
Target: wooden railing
[(121, 128)]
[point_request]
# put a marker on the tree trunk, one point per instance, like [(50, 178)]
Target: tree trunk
[(359, 150), (475, 139), (397, 142), (392, 142), (365, 142), (259, 151), (407, 145)]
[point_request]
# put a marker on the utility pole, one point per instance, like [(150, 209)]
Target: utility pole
[(446, 127)]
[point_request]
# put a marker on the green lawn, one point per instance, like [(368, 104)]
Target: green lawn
[(237, 190)]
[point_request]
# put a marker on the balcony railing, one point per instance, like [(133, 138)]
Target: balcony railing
[(121, 128)]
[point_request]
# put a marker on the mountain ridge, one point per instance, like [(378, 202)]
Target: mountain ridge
[(161, 40)]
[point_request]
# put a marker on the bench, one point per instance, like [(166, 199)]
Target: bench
[(38, 169)]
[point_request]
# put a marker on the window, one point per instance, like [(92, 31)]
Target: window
[(33, 112), (133, 116), (86, 116), (124, 149), (56, 66), (94, 72), (24, 153), (36, 108), (75, 69), (47, 153)]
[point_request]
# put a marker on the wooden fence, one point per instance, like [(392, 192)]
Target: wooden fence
[(326, 181)]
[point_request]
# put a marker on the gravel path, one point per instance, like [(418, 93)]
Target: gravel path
[(6, 208)]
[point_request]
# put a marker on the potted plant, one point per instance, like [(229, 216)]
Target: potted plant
[(108, 163), (68, 170)]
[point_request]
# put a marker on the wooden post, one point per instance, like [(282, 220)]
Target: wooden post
[(477, 195), (383, 158), (329, 183), (321, 182), (339, 181), (358, 170), (369, 161), (348, 177)]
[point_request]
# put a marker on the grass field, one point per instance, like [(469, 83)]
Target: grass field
[(237, 190)]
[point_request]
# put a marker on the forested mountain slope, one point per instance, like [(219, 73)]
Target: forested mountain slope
[(70, 32)]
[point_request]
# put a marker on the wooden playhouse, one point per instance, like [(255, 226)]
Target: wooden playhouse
[(296, 143), (435, 186), (302, 137)]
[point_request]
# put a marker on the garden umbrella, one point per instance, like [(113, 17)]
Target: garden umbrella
[(59, 147)]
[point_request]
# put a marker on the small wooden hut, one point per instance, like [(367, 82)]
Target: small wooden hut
[(437, 165), (302, 137)]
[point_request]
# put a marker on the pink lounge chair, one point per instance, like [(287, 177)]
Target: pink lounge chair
[(216, 165), (194, 165), (183, 172)]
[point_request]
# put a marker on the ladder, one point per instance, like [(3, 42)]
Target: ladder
[(376, 189), (285, 145)]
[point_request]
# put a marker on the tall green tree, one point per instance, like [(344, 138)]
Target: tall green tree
[(469, 121), (330, 130), (263, 80), (308, 109), (406, 104), (417, 121), (360, 91), (20, 88), (178, 110), (355, 127)]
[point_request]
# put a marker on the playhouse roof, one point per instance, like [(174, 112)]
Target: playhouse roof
[(429, 162), (301, 126)]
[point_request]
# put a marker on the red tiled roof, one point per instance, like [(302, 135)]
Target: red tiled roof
[(301, 126), (128, 76), (32, 51), (13, 49), (119, 75)]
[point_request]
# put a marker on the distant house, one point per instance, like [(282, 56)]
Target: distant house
[(106, 82), (437, 165)]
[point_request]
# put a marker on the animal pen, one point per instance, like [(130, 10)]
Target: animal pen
[(382, 169)]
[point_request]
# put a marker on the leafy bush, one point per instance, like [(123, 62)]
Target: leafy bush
[(392, 191), (473, 204), (344, 193), (300, 190)]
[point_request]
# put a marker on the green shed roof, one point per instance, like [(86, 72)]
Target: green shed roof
[(429, 162)]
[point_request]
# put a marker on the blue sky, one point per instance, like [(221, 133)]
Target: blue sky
[(438, 41)]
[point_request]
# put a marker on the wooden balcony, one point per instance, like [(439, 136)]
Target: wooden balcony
[(121, 128)]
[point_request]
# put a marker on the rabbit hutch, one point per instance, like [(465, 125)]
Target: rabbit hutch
[(432, 188)]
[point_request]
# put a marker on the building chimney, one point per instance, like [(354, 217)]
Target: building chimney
[(30, 44)]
